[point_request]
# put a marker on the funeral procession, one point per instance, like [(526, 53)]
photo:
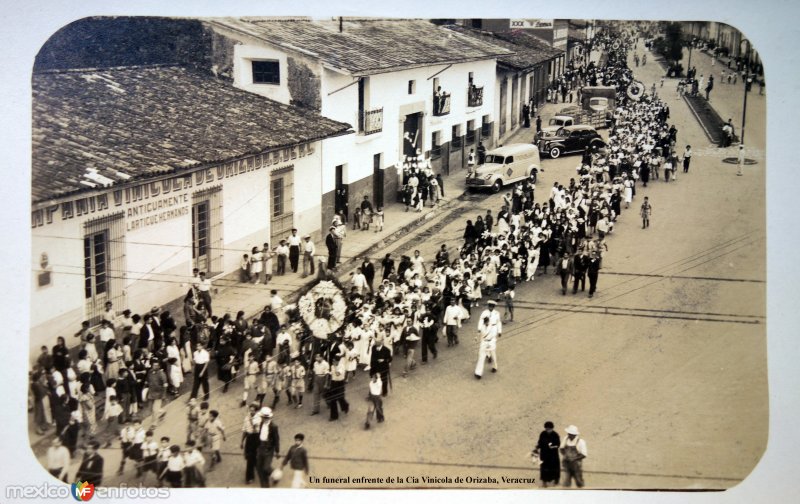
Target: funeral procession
[(359, 253)]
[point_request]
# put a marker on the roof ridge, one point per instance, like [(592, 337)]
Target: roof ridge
[(115, 68)]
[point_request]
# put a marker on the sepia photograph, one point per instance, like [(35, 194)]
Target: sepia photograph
[(399, 252)]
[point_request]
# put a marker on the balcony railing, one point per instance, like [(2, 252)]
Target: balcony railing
[(475, 96), (441, 104), (370, 121)]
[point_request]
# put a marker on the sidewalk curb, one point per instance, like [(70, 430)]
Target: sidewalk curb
[(350, 264), (697, 117)]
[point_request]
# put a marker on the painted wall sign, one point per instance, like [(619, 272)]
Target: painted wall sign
[(531, 23), (132, 198), (154, 212)]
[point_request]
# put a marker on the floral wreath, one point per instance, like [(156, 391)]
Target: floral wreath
[(323, 308)]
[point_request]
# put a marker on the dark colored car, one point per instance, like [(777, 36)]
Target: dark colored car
[(571, 139)]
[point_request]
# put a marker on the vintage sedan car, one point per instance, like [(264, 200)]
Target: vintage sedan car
[(553, 125), (571, 139)]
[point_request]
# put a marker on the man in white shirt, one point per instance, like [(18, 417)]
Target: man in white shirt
[(573, 450), (376, 402), (201, 360), (308, 256), (109, 314), (494, 318), (418, 263), (204, 291), (487, 347), (150, 455), (58, 459), (452, 321), (283, 337), (359, 281), (276, 305), (336, 394), (321, 371), (195, 466), (294, 243), (106, 332)]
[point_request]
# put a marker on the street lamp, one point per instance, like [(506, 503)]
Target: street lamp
[(747, 79)]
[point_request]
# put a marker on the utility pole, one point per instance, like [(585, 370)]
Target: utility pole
[(745, 81)]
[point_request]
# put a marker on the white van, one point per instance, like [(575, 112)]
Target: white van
[(505, 165)]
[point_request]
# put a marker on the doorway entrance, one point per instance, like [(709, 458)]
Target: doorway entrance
[(377, 181), (341, 203), (412, 134)]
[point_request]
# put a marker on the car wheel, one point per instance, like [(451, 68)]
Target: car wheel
[(497, 186), (555, 152)]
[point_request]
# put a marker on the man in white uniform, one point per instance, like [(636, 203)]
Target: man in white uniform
[(487, 347), (494, 318)]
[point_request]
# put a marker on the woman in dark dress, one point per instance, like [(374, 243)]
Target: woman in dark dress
[(470, 236), (479, 226), (547, 449), (60, 354), (225, 361), (544, 255)]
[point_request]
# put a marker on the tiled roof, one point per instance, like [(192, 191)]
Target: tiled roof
[(367, 46), (144, 121), (521, 38), (526, 54)]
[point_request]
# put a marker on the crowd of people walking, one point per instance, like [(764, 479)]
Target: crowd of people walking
[(395, 312)]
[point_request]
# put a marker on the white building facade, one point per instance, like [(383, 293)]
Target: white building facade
[(127, 223), (392, 107)]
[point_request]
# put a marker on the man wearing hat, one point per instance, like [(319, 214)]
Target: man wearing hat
[(308, 256), (294, 243), (333, 249), (488, 346), (494, 318), (573, 449), (268, 444)]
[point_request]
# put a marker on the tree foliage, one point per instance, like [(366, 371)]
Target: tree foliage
[(671, 45)]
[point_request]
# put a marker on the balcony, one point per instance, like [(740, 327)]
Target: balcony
[(475, 96), (441, 104), (370, 121)]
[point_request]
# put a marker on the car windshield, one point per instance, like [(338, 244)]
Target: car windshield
[(556, 122), (562, 132), (494, 158), (598, 101)]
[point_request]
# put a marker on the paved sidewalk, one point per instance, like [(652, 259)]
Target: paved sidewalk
[(728, 99), (231, 295)]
